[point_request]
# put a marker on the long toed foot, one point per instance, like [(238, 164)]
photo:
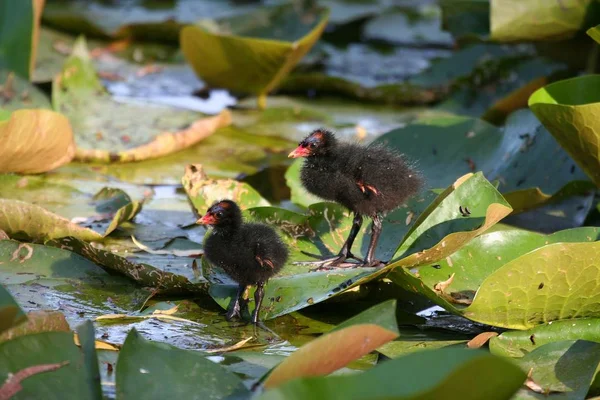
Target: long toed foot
[(339, 261), (239, 304), (370, 261), (258, 298)]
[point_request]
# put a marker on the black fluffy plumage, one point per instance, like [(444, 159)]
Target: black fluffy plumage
[(368, 180), (250, 253)]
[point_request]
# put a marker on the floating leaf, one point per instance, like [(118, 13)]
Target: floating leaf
[(251, 64), (18, 93), (481, 266), (432, 374), (46, 348), (10, 312), (537, 20), (19, 30), (513, 156), (520, 343), (35, 141), (466, 17), (565, 367), (18, 218), (158, 370), (567, 109), (202, 191), (38, 321), (349, 341), (97, 118), (162, 282)]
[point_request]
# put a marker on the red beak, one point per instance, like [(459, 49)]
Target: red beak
[(207, 220), (299, 152)]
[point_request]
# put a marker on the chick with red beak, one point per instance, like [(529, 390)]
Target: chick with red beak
[(250, 253)]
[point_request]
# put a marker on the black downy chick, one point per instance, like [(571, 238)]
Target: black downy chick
[(369, 181), (250, 253)]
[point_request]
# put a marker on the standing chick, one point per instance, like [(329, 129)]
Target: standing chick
[(250, 253), (369, 181)]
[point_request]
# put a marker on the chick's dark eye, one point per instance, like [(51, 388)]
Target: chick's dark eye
[(313, 145), (219, 214)]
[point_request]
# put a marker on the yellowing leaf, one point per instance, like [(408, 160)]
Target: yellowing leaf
[(330, 352), (35, 141), (245, 64)]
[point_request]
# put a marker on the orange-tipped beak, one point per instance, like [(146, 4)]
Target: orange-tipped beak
[(299, 152), (207, 220)]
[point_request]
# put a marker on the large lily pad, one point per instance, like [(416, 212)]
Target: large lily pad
[(466, 17), (431, 232), (564, 369), (19, 218), (429, 374), (35, 141), (520, 343), (18, 93), (514, 156), (567, 109), (57, 367), (255, 63), (104, 129), (513, 20), (10, 311), (483, 266), (158, 370), (19, 30)]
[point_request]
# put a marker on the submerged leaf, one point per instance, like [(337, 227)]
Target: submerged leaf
[(35, 141), (251, 64)]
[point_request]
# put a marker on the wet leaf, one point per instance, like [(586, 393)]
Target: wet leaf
[(565, 367), (85, 334), (157, 370), (17, 93), (35, 141), (48, 348), (513, 157), (417, 339), (434, 374), (567, 109), (38, 321), (351, 340), (483, 260), (520, 343), (466, 17), (10, 311), (162, 282), (511, 20), (252, 62), (19, 30), (18, 218), (202, 191), (104, 130)]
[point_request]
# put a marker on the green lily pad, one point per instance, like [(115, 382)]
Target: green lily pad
[(254, 62), (439, 373), (513, 21), (158, 370), (567, 109), (95, 118), (478, 268), (563, 369), (162, 282), (18, 93), (19, 218), (35, 141), (202, 191), (594, 33), (431, 232), (10, 311), (520, 343), (19, 27), (58, 366), (513, 157)]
